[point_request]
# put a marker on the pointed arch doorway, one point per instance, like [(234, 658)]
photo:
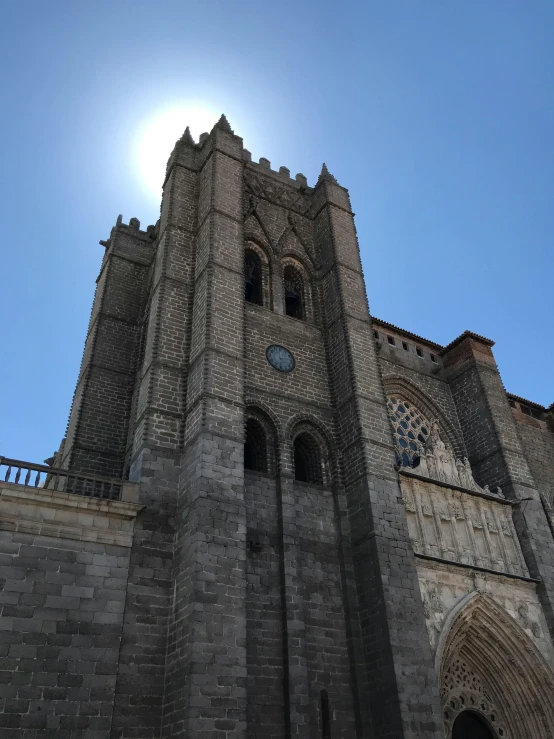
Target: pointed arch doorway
[(493, 679), (469, 725)]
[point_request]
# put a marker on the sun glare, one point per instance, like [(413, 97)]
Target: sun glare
[(158, 136)]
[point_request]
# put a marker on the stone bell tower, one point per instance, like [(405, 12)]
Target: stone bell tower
[(272, 588), (274, 516)]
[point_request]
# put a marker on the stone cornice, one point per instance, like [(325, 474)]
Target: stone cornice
[(450, 486), (44, 512), (408, 334), (488, 570)]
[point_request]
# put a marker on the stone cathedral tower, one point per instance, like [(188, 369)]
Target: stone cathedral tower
[(322, 525)]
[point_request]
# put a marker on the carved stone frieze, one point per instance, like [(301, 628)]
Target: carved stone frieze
[(444, 586), (486, 664), (286, 196), (438, 462), (462, 690), (527, 621), (433, 608), (461, 527)]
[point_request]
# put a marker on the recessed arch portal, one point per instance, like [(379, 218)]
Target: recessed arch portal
[(469, 725), (490, 667)]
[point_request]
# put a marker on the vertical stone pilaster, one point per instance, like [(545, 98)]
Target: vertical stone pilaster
[(161, 383), (154, 450), (496, 455), (399, 690), (294, 626), (206, 660)]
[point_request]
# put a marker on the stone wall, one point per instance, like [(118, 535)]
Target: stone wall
[(267, 714), (249, 602), (96, 437), (537, 441), (63, 600), (419, 379)]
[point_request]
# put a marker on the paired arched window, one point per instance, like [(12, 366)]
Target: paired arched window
[(308, 465), (257, 283), (293, 288), (410, 430), (255, 447), (252, 278)]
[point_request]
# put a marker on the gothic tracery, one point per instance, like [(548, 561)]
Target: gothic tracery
[(488, 665)]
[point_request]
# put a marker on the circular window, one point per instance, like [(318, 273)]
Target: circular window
[(410, 430)]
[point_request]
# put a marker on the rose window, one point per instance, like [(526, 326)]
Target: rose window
[(410, 429)]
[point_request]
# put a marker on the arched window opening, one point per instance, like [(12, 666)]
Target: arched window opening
[(252, 278), (307, 460), (410, 431), (255, 447), (469, 725), (294, 292)]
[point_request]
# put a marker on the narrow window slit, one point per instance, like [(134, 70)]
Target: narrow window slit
[(325, 716)]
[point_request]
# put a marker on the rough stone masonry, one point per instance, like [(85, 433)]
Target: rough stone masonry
[(323, 519)]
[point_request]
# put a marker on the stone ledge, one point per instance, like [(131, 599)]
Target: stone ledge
[(451, 486), (488, 570), (44, 512)]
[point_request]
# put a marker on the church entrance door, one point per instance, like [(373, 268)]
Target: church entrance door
[(468, 725)]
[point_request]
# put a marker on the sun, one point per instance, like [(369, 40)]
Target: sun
[(159, 134)]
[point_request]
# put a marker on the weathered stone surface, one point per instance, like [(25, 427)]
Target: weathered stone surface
[(279, 575)]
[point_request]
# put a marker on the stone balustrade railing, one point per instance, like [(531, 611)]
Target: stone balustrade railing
[(17, 472)]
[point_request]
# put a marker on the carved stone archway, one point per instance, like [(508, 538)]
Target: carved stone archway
[(488, 665)]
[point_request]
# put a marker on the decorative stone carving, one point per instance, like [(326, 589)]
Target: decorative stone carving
[(433, 608), (289, 197), (457, 511), (462, 690), (506, 528), (523, 612), (461, 527), (526, 621), (420, 448), (442, 464), (489, 666), (409, 503)]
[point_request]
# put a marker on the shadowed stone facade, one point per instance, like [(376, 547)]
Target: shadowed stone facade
[(293, 565)]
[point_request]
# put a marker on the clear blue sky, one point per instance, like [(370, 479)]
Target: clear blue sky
[(436, 114)]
